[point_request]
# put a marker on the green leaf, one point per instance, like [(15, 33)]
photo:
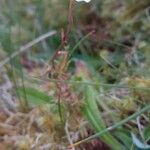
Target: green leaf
[(147, 132), (33, 96), (5, 38), (124, 138), (92, 113)]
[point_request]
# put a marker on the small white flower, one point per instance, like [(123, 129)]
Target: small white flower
[(87, 1)]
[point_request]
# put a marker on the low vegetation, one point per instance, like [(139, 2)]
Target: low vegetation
[(74, 75)]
